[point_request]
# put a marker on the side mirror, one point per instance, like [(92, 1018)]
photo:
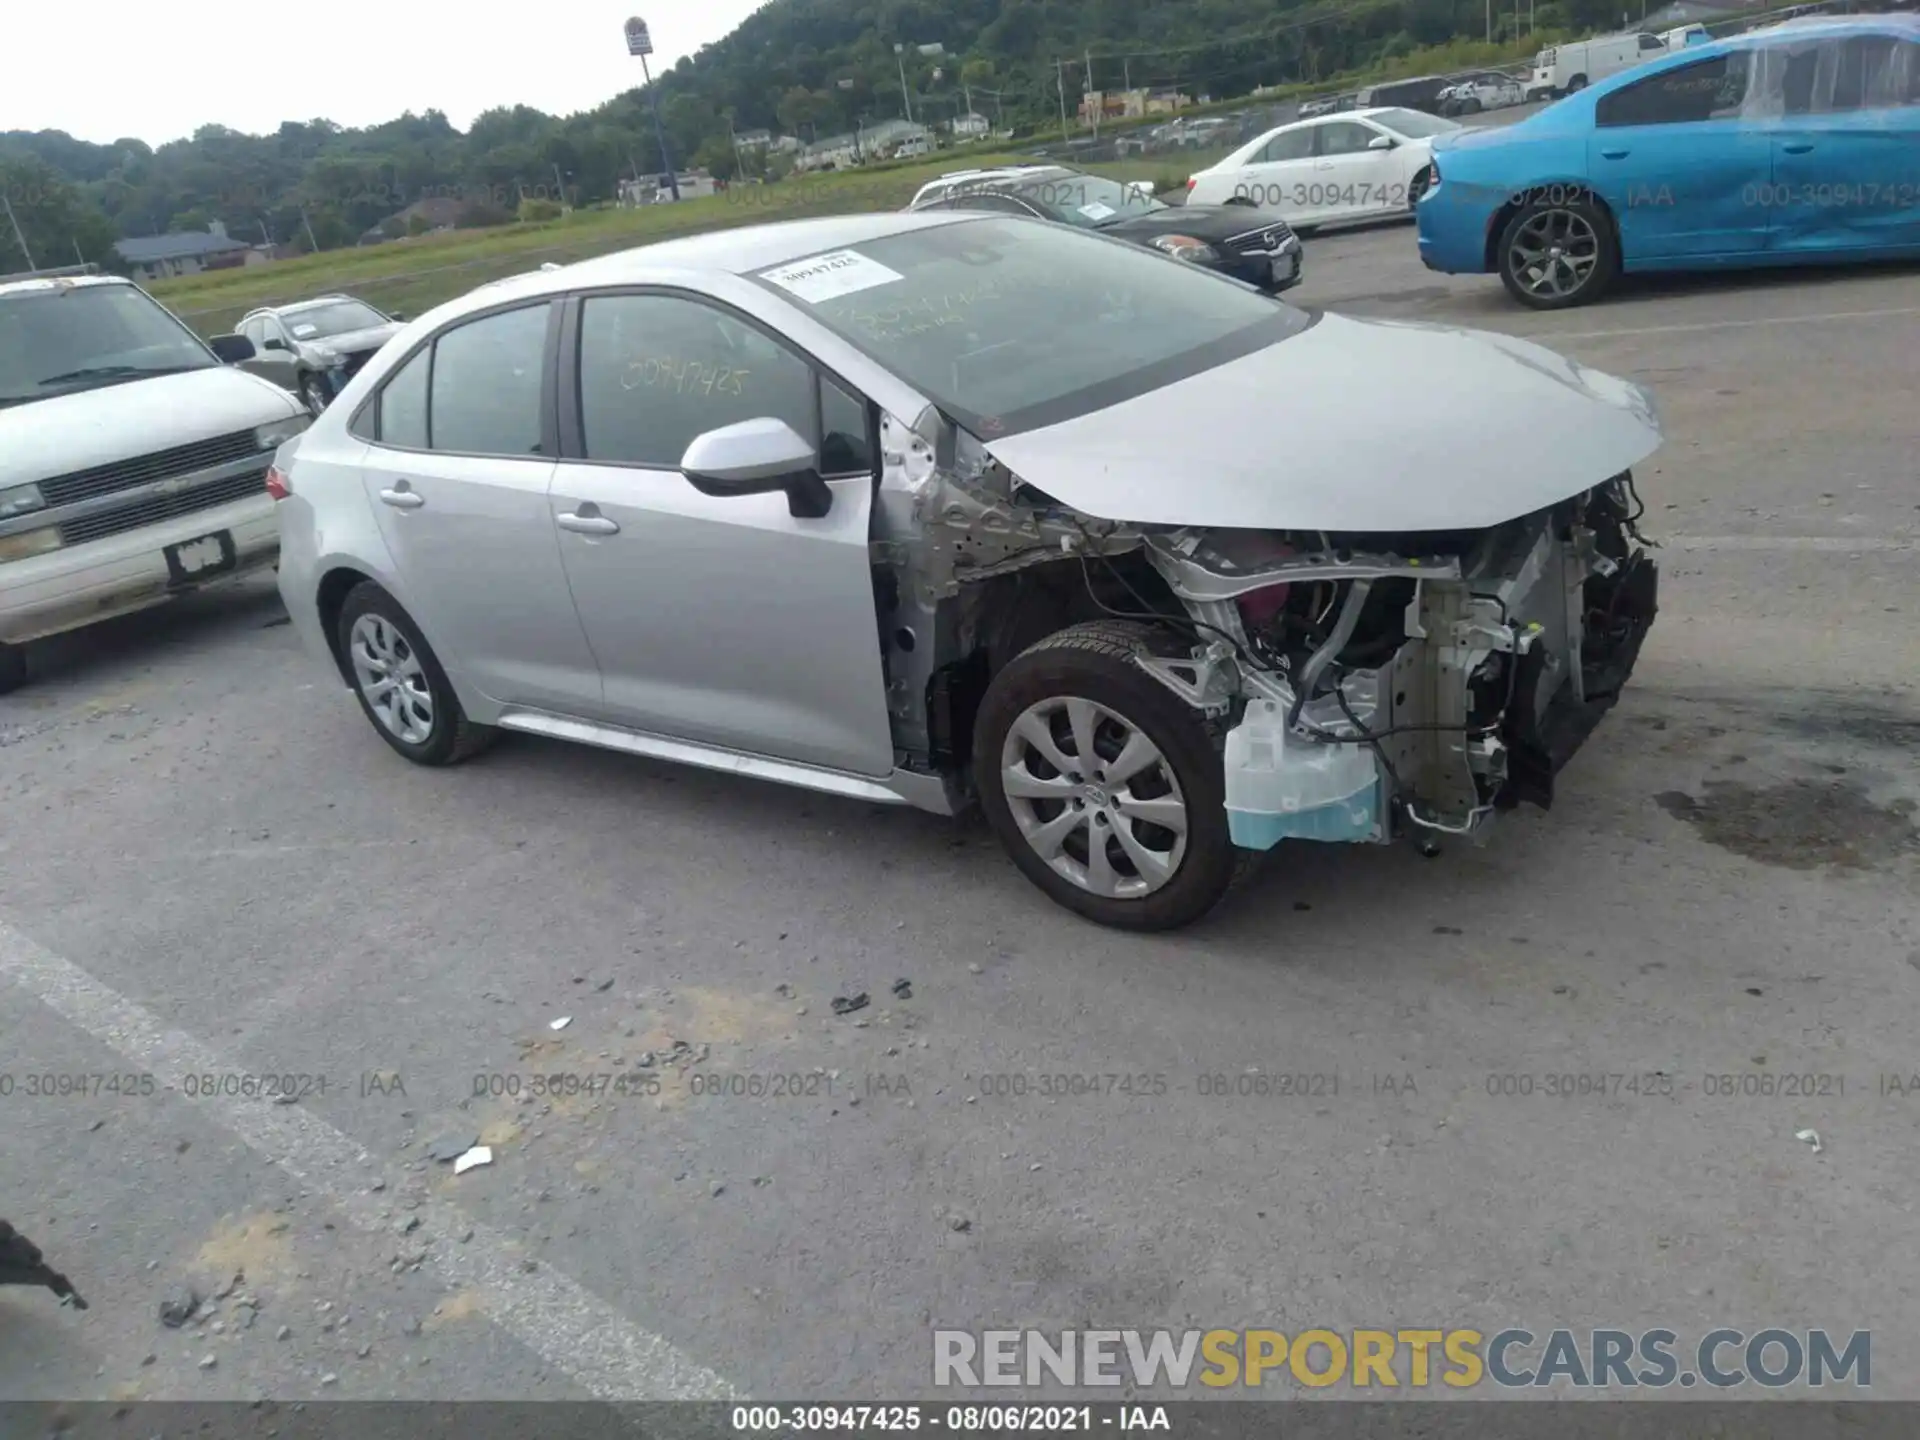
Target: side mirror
[(755, 457), (1381, 142), (395, 315), (232, 349)]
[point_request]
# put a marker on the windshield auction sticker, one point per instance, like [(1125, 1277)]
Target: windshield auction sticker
[(826, 277)]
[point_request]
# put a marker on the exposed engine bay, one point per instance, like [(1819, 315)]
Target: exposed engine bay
[(1459, 670)]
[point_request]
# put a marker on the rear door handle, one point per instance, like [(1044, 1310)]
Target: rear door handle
[(1796, 147), (586, 524), (403, 497), (1616, 154)]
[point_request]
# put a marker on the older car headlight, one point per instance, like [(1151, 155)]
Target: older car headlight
[(321, 355), (21, 500), (1184, 247), (29, 543), (272, 437)]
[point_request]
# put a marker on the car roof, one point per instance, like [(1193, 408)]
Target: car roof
[(59, 282), (741, 250), (294, 307), (1902, 24)]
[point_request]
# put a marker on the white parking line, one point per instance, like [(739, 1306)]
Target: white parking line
[(1821, 544), (1828, 318), (572, 1330)]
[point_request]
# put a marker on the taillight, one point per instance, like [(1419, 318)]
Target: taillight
[(278, 485), (1191, 182)]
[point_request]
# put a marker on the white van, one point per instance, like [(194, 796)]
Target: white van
[(133, 457), (1685, 35), (1560, 70)]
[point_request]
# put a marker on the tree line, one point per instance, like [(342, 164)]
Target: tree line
[(809, 68)]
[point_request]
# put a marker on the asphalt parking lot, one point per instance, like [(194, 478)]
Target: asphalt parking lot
[(210, 867)]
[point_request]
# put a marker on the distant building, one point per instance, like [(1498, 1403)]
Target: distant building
[(753, 139), (658, 190), (185, 252), (970, 126), (870, 142)]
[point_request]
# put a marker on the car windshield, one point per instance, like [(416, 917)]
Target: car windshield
[(63, 338), (1010, 324), (338, 317), (1089, 201), (1415, 125)]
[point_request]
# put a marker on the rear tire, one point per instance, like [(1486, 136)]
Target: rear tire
[(313, 394), (1145, 846), (1587, 263), (1576, 84), (400, 684), (13, 668)]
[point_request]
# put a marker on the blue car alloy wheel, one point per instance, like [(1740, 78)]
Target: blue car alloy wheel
[(1558, 252)]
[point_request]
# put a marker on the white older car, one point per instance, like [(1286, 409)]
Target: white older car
[(1358, 165)]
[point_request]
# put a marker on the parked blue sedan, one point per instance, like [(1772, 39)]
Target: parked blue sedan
[(1798, 144)]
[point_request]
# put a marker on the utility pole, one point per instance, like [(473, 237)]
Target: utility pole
[(1489, 22), (1060, 79), (15, 222), (1087, 88), (311, 242), (640, 42)]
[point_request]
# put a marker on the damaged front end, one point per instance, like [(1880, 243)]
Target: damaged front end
[(1359, 687), (1415, 683)]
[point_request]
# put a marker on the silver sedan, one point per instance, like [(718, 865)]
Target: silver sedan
[(939, 508)]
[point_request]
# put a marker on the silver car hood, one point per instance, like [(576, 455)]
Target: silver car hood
[(80, 430), (353, 341), (1349, 425)]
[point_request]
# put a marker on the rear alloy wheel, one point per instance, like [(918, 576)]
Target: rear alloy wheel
[(399, 683), (1557, 254), (13, 668), (1102, 784), (313, 394)]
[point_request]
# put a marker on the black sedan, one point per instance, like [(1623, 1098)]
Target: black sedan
[(1236, 239)]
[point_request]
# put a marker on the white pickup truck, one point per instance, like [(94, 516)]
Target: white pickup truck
[(133, 458)]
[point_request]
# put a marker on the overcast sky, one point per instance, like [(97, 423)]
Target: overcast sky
[(112, 69)]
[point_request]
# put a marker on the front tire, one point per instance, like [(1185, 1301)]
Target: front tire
[(13, 668), (1102, 785), (400, 684), (1556, 254), (313, 394)]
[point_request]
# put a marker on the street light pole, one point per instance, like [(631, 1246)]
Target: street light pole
[(640, 42), (906, 100)]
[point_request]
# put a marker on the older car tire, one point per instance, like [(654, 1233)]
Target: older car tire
[(1094, 662), (451, 737), (1606, 260), (13, 668), (313, 394)]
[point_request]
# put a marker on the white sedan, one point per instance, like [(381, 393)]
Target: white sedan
[(1357, 165)]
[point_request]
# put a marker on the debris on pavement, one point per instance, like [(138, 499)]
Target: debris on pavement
[(604, 985), (207, 1362), (178, 1308), (1811, 1137), (903, 989), (960, 1224), (845, 1005), (478, 1155), (452, 1147), (561, 1023)]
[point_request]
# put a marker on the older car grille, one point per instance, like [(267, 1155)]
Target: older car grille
[(166, 507), (145, 469), (1256, 242)]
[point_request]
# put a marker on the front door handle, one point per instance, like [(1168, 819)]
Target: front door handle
[(587, 524), (1615, 154), (1796, 147), (403, 496)]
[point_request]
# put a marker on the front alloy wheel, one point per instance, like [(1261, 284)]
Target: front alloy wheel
[(1094, 797), (1102, 784), (313, 394), (1557, 255), (391, 678)]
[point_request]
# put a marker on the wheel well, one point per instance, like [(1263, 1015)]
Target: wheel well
[(1010, 613), (1520, 199), (335, 586)]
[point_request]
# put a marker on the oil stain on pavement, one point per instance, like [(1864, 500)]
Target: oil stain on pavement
[(1799, 824)]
